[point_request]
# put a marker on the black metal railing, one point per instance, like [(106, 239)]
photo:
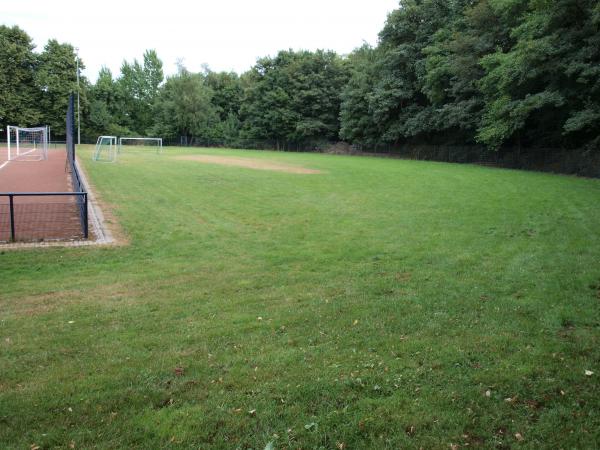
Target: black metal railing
[(38, 216), (78, 187)]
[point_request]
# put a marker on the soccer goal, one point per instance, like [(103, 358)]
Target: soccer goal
[(106, 149), (27, 144), (140, 143)]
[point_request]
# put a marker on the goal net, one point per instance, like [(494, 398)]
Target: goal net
[(144, 144), (27, 144), (106, 149)]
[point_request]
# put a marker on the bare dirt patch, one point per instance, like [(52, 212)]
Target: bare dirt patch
[(249, 163)]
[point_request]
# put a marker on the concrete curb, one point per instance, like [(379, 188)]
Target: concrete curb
[(95, 217)]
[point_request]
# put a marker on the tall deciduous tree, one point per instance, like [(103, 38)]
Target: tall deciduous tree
[(226, 97), (184, 107), (56, 78), (138, 87), (106, 110), (399, 104), (453, 68), (356, 118), (19, 95), (545, 90), (294, 97)]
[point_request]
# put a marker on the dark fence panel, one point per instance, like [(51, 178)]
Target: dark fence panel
[(76, 181), (583, 162), (41, 216)]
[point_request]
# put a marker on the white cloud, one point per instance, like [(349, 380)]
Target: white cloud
[(225, 34)]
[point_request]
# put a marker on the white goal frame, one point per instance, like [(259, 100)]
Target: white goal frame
[(159, 146), (112, 149), (29, 144)]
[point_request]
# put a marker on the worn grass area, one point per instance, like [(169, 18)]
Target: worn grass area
[(380, 304)]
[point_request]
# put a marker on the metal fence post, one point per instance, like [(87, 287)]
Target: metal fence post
[(85, 216), (12, 217)]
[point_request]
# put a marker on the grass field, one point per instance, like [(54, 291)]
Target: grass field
[(378, 304)]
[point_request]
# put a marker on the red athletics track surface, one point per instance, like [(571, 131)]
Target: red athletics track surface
[(38, 218)]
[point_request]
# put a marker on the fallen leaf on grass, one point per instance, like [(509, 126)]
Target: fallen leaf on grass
[(355, 322), (519, 436), (178, 371), (34, 447), (72, 444)]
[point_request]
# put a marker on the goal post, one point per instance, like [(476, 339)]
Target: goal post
[(27, 144), (131, 142), (106, 149)]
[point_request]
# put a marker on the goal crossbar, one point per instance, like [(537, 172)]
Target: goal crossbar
[(158, 142), (27, 144)]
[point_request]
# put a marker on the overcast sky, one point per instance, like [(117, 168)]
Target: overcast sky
[(225, 34)]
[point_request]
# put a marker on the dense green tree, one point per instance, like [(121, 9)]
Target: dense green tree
[(226, 97), (399, 104), (19, 95), (227, 92), (184, 108), (356, 118), (56, 78), (138, 88), (294, 97), (453, 68), (266, 108), (106, 112), (545, 90), (317, 79), (501, 72)]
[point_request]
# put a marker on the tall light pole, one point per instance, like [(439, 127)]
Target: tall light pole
[(78, 116)]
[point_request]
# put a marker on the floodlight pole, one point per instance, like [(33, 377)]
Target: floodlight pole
[(78, 116)]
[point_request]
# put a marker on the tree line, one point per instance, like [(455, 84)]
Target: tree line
[(497, 73)]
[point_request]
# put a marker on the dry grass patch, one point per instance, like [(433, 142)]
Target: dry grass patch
[(249, 163)]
